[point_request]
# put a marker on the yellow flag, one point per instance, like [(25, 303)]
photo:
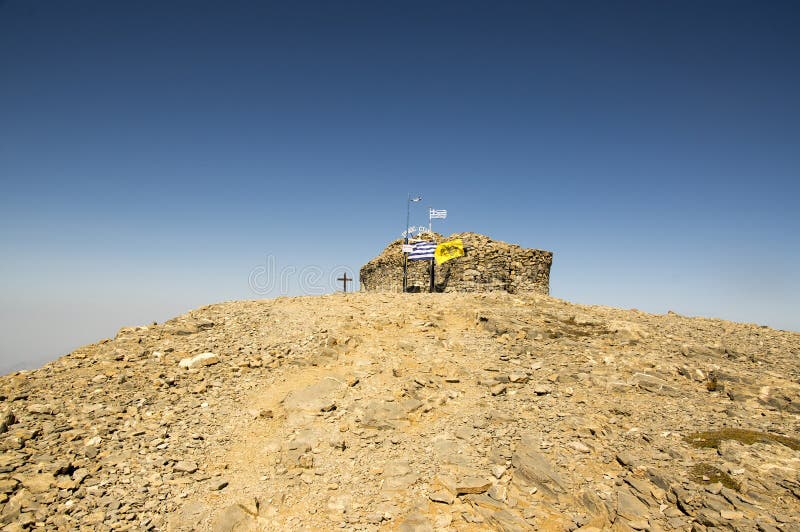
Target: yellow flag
[(449, 250)]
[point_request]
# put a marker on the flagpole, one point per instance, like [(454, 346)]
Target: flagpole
[(405, 255), (430, 221), (433, 238), (405, 231), (433, 282)]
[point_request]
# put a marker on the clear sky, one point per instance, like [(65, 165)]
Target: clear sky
[(155, 154)]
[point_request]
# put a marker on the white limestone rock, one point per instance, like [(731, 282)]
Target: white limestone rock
[(199, 361)]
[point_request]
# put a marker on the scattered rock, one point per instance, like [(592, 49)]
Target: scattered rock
[(218, 484), (533, 469), (36, 483), (498, 389), (498, 492), (630, 507), (506, 411), (466, 485), (442, 496), (6, 420), (731, 514), (47, 410), (199, 361), (185, 466), (580, 446)]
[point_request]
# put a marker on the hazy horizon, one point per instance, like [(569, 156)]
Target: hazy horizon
[(138, 312), (154, 154)]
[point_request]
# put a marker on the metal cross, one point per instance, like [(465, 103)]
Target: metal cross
[(344, 279)]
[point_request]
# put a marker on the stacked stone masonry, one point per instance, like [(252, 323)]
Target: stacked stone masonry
[(487, 266)]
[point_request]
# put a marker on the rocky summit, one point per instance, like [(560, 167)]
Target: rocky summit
[(414, 412)]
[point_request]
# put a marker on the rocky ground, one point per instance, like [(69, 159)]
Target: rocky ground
[(409, 412)]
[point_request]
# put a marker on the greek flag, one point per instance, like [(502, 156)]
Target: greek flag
[(423, 251), (441, 214)]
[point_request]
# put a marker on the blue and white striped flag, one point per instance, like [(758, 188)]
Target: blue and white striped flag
[(422, 251), (440, 213)]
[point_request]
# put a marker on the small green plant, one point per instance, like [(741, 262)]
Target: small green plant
[(704, 473), (712, 439)]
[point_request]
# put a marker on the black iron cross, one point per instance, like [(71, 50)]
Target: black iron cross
[(344, 279)]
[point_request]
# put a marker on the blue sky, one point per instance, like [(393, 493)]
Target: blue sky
[(153, 154)]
